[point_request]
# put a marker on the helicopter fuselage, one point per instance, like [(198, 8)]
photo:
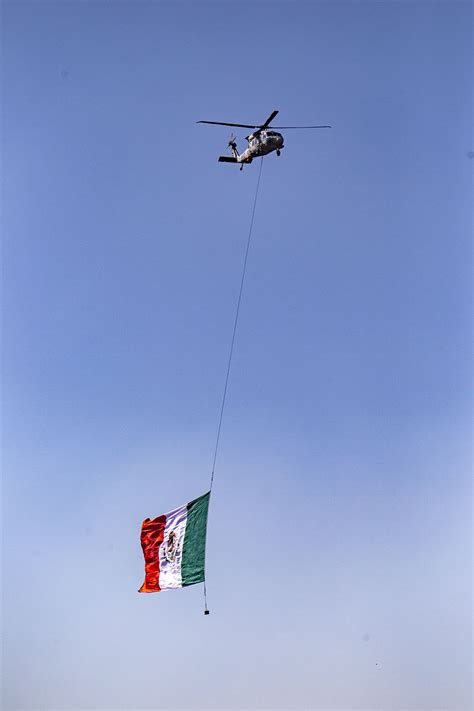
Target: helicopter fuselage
[(260, 144)]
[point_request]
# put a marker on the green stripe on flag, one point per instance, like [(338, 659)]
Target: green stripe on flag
[(194, 548)]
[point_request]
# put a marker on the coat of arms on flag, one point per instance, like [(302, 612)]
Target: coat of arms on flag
[(174, 547)]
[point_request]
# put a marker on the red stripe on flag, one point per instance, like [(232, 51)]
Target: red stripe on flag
[(151, 539)]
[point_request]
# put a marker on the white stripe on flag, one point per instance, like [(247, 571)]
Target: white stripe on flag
[(171, 550)]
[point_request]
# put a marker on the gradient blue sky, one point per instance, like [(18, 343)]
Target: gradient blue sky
[(339, 554)]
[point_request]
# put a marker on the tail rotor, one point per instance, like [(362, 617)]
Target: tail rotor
[(235, 154)]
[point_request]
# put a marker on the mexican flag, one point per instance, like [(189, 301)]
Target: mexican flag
[(174, 547)]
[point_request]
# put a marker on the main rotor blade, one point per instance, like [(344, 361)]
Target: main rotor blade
[(223, 123), (269, 119), (301, 127)]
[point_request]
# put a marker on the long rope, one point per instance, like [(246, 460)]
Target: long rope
[(235, 325), (229, 362)]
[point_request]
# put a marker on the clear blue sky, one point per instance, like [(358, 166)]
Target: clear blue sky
[(339, 534)]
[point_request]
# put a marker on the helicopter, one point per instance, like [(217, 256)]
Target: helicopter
[(260, 142)]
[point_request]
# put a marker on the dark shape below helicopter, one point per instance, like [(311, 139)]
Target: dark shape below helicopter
[(260, 142)]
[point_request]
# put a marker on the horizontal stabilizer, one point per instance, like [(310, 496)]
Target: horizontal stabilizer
[(227, 159)]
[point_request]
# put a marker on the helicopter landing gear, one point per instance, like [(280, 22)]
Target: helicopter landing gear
[(278, 152)]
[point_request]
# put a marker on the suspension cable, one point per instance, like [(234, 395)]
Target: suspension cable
[(229, 362), (235, 325)]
